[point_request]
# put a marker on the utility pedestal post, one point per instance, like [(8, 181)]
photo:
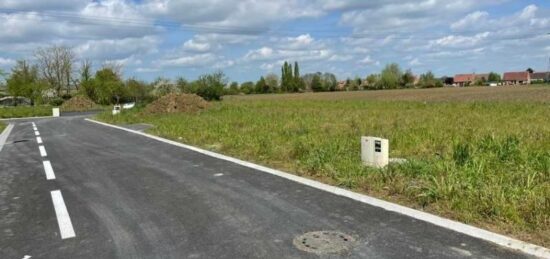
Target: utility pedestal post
[(375, 151)]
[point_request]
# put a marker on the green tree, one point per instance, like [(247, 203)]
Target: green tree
[(247, 87), (407, 80), (316, 84), (494, 77), (137, 90), (25, 82), (372, 81), (109, 87), (262, 87), (211, 86), (184, 86), (233, 88), (428, 80), (390, 77), (273, 82), (329, 82), (298, 83)]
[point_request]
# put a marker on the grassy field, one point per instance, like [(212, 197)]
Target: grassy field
[(25, 111), (477, 155), (2, 127)]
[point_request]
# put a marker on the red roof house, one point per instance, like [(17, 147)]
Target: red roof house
[(467, 79), (513, 78)]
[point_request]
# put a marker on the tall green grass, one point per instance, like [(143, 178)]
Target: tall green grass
[(486, 163), (25, 111)]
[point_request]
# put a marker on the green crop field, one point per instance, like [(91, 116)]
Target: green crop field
[(477, 155)]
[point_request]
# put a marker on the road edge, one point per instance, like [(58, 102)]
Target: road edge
[(456, 226), (4, 135), (26, 118)]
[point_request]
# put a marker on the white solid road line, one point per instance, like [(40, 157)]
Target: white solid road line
[(36, 133), (39, 140), (65, 226), (50, 175), (472, 231), (42, 151)]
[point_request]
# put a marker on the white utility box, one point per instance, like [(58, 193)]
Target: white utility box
[(116, 109), (55, 112), (375, 151)]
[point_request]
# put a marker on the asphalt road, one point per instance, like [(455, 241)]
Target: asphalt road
[(128, 196)]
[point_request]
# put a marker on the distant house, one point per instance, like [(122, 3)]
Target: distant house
[(515, 78), (468, 79), (540, 76)]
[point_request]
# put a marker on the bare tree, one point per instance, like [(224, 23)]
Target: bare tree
[(55, 65)]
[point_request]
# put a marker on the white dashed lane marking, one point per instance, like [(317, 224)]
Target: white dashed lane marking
[(42, 151), (36, 133), (65, 226), (50, 175), (39, 140)]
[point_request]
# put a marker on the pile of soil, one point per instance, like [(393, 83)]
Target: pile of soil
[(78, 104), (175, 103)]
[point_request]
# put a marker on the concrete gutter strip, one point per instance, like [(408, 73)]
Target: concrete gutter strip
[(4, 135), (456, 226), (26, 118)]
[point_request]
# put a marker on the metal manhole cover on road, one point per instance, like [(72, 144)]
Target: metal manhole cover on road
[(324, 242)]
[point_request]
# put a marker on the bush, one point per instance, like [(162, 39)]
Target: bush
[(56, 101), (211, 86), (66, 97)]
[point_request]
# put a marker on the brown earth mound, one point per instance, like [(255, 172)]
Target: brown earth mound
[(173, 103), (78, 104)]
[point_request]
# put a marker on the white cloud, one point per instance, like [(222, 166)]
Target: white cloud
[(117, 48), (188, 61), (260, 54), (470, 20), (457, 41), (192, 45), (231, 16), (415, 62), (368, 61), (6, 61)]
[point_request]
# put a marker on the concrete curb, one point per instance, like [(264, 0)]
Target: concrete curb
[(26, 118), (4, 135), (456, 226)]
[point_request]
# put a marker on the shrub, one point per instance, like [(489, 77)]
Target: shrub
[(56, 101)]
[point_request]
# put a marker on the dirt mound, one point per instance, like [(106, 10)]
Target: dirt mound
[(173, 103), (78, 104)]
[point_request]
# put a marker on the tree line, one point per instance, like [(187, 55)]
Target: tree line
[(55, 75)]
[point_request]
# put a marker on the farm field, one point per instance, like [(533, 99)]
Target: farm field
[(477, 155)]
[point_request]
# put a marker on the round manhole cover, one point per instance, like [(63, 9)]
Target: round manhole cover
[(324, 242)]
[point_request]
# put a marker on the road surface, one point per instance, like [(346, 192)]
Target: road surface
[(114, 194)]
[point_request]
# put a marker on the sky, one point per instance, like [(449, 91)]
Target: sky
[(250, 38)]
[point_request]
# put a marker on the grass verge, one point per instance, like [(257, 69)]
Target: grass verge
[(2, 127), (485, 163), (25, 111)]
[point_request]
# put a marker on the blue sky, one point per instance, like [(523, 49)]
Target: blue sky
[(250, 38)]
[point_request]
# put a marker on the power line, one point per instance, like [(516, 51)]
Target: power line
[(154, 24)]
